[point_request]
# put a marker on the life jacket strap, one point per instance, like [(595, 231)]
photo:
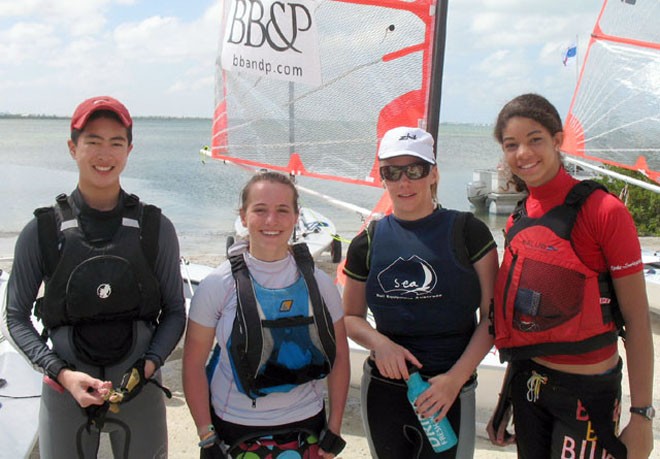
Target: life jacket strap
[(50, 225), (563, 348)]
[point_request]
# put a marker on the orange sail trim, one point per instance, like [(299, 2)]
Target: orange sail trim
[(377, 60), (598, 34), (614, 116), (573, 137), (219, 127), (294, 167), (574, 145), (407, 108)]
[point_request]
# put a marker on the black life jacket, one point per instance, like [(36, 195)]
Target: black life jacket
[(547, 301), (99, 287), (258, 335)]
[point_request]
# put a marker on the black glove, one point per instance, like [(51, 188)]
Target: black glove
[(331, 442), (212, 452), (211, 447)]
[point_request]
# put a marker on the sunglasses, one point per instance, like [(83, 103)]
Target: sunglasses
[(413, 171)]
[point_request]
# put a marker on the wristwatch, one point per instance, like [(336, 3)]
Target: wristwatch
[(647, 411)]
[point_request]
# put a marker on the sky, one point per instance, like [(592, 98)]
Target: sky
[(158, 56)]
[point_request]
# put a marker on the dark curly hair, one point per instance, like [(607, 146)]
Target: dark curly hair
[(532, 106)]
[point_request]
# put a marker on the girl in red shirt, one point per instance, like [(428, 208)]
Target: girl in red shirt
[(568, 405)]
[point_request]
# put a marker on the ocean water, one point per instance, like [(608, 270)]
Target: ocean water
[(200, 195)]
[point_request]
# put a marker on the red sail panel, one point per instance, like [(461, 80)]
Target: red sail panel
[(614, 116), (375, 60)]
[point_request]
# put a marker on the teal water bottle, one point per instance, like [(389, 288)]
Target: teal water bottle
[(440, 434)]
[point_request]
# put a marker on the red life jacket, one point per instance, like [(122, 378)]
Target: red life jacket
[(547, 301)]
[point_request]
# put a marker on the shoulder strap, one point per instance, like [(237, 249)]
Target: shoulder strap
[(147, 217), (49, 225), (581, 191), (149, 232), (371, 229), (322, 317), (303, 259), (519, 211), (559, 219), (47, 231), (459, 239), (245, 358)]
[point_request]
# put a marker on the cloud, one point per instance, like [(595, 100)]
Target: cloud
[(9, 9), (26, 41), (497, 49), (164, 39), (71, 17), (72, 48), (160, 58)]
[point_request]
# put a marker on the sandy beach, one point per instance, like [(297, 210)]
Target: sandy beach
[(182, 432)]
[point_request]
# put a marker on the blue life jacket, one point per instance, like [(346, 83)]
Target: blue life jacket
[(281, 338), (421, 289)]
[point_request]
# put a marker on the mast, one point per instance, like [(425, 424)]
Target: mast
[(437, 67), (292, 122)]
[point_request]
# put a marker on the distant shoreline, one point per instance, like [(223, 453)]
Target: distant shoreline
[(34, 116), (18, 116)]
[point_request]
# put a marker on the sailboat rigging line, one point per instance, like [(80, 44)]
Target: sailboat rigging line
[(335, 79), (363, 141), (625, 178), (613, 117), (341, 204), (619, 128), (622, 150), (437, 68)]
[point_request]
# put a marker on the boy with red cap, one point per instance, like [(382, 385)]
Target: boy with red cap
[(112, 308)]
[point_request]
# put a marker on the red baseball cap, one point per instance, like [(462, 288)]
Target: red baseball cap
[(89, 106)]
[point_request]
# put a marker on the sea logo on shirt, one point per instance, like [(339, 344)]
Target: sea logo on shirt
[(286, 305), (412, 277)]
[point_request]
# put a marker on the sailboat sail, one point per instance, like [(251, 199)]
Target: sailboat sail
[(309, 87), (614, 116)]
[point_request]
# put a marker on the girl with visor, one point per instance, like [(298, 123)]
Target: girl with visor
[(423, 272)]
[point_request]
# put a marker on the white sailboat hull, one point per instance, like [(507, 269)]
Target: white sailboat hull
[(20, 398)]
